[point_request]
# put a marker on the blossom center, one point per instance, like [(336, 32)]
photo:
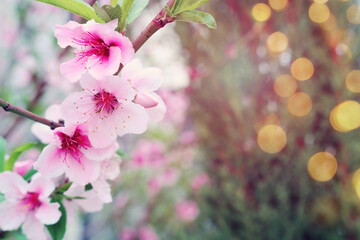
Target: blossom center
[(92, 45), (105, 101), (31, 201), (72, 145)]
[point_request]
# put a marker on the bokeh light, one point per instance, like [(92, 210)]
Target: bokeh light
[(319, 12), (353, 81), (345, 116), (353, 14), (330, 24), (277, 42), (285, 85), (299, 104), (356, 182), (278, 5), (320, 1), (271, 138), (261, 12), (322, 166), (302, 69)]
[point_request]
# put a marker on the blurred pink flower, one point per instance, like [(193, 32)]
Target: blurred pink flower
[(149, 154), (200, 181), (147, 233), (187, 211), (188, 137), (107, 109), (99, 49), (21, 167), (27, 203), (176, 104), (166, 178), (128, 234)]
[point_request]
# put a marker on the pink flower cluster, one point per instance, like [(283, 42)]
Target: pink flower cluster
[(84, 150)]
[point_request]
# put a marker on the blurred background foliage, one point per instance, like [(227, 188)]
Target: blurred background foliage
[(261, 137)]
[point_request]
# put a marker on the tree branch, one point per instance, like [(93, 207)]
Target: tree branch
[(27, 114)]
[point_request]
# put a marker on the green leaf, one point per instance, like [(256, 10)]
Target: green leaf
[(108, 13), (135, 10), (72, 198), (78, 7), (2, 153), (185, 5), (113, 2), (197, 17), (27, 176), (9, 164), (168, 11), (101, 13), (122, 154), (57, 230), (126, 6), (88, 187), (63, 188)]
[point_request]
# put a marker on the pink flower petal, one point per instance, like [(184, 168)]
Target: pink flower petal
[(33, 228), (146, 100), (131, 69), (74, 68), (22, 167), (49, 163), (102, 132), (12, 215), (90, 84), (149, 79), (120, 88), (83, 173), (12, 185), (99, 154), (101, 68), (41, 185), (156, 113), (48, 213), (103, 190), (110, 169), (131, 119), (117, 39), (91, 203), (42, 132), (66, 33), (77, 107)]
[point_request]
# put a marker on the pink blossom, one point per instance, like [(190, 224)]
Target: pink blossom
[(99, 49), (149, 154), (145, 82), (72, 153), (167, 178), (27, 203), (147, 233), (128, 234), (199, 181), (21, 167), (91, 201), (107, 109), (176, 106), (187, 211)]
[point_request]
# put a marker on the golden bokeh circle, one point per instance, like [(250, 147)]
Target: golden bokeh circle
[(299, 104), (356, 182), (277, 42), (261, 12), (302, 69), (271, 138), (319, 12), (352, 81), (322, 166), (320, 1), (278, 5), (345, 116), (353, 14), (285, 85)]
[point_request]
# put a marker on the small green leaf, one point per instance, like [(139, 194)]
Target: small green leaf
[(126, 6), (28, 175), (78, 7), (2, 153), (9, 164), (168, 11), (197, 17), (135, 10), (113, 12), (57, 230), (72, 198), (113, 2), (63, 188), (122, 154), (185, 5), (88, 187), (101, 13)]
